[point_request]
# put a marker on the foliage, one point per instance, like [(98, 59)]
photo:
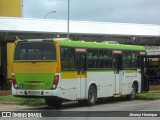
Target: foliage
[(148, 96), (22, 101)]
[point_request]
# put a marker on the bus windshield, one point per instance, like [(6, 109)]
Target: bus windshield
[(35, 51)]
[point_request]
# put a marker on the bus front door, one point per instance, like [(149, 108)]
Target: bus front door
[(81, 74), (117, 73)]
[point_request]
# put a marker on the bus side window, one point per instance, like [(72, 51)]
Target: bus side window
[(67, 58), (107, 59), (95, 58), (89, 58), (101, 59), (134, 59), (127, 59), (92, 57)]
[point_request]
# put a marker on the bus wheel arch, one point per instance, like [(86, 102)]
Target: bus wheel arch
[(134, 90), (135, 83), (94, 85)]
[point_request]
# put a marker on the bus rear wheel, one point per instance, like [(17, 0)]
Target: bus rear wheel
[(55, 103), (92, 96)]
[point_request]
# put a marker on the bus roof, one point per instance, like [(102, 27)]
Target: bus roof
[(99, 45)]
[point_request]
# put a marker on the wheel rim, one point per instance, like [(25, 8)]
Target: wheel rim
[(133, 93), (91, 96)]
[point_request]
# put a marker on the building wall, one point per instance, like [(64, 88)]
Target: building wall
[(11, 8), (152, 47)]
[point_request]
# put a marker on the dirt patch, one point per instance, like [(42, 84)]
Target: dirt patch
[(11, 106)]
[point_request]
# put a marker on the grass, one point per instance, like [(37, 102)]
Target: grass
[(22, 101), (148, 96)]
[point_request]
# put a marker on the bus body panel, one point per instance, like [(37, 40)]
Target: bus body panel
[(104, 82), (68, 89), (34, 67), (68, 85), (129, 76), (35, 75), (81, 87)]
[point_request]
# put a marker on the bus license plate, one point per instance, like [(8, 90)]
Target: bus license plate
[(33, 92)]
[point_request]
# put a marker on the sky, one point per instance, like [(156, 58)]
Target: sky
[(119, 11)]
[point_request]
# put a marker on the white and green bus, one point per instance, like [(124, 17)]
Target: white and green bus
[(84, 71)]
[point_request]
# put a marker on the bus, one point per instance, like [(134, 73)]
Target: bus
[(154, 68), (61, 69)]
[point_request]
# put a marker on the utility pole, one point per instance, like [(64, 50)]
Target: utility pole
[(68, 19)]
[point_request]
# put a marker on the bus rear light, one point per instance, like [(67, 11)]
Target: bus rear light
[(15, 85), (55, 82)]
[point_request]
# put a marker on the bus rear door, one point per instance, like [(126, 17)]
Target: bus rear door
[(117, 55), (81, 71)]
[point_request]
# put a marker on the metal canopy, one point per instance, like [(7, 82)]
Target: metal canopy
[(23, 28)]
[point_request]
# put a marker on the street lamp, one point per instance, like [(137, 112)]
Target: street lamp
[(48, 14), (68, 20)]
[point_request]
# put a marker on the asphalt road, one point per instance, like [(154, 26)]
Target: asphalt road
[(106, 108), (107, 105)]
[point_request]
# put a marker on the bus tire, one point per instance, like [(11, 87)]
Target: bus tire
[(54, 103), (92, 96), (133, 93)]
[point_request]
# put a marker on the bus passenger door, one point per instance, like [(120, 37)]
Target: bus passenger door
[(117, 71), (81, 74), (144, 71)]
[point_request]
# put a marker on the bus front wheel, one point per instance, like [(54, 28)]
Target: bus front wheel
[(92, 96)]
